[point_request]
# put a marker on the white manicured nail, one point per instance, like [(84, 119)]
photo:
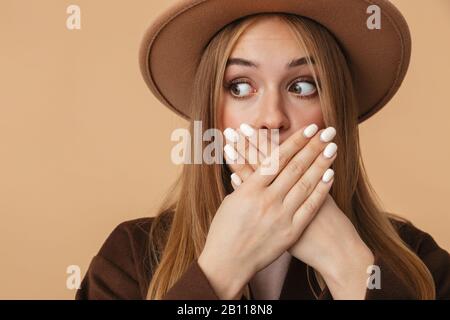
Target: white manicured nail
[(246, 129), (328, 175), (231, 153), (330, 150), (236, 180), (328, 134), (231, 134), (310, 130)]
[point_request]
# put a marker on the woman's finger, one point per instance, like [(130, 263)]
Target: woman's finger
[(309, 180), (247, 146), (235, 180), (260, 143), (267, 141), (306, 212), (281, 156), (235, 160), (304, 160), (259, 139)]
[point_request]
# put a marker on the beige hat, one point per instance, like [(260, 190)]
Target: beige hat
[(378, 58)]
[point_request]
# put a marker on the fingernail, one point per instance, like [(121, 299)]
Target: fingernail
[(328, 134), (310, 130), (330, 150), (231, 153), (235, 178), (328, 175), (231, 134), (246, 129)]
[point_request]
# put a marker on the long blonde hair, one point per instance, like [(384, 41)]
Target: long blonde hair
[(178, 233)]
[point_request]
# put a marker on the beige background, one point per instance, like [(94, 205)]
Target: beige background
[(84, 145)]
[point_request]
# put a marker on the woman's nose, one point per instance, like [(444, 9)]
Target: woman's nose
[(271, 115)]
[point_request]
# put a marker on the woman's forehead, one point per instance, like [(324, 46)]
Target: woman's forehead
[(267, 39), (282, 57)]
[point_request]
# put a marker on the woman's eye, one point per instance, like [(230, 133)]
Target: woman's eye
[(239, 89), (304, 88)]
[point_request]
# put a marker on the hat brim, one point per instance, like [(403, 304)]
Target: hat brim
[(378, 59)]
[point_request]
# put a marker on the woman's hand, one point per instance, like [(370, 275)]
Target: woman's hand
[(330, 244), (266, 215)]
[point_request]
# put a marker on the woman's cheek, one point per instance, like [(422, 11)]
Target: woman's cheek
[(232, 119), (307, 115)]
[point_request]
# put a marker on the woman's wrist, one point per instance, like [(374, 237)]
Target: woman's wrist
[(227, 281), (347, 276)]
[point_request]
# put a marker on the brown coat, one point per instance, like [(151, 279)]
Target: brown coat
[(120, 270)]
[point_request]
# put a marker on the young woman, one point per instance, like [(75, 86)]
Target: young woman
[(312, 228)]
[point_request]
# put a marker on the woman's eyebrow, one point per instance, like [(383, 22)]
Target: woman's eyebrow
[(247, 63)]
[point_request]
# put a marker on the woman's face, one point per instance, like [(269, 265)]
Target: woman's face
[(263, 91)]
